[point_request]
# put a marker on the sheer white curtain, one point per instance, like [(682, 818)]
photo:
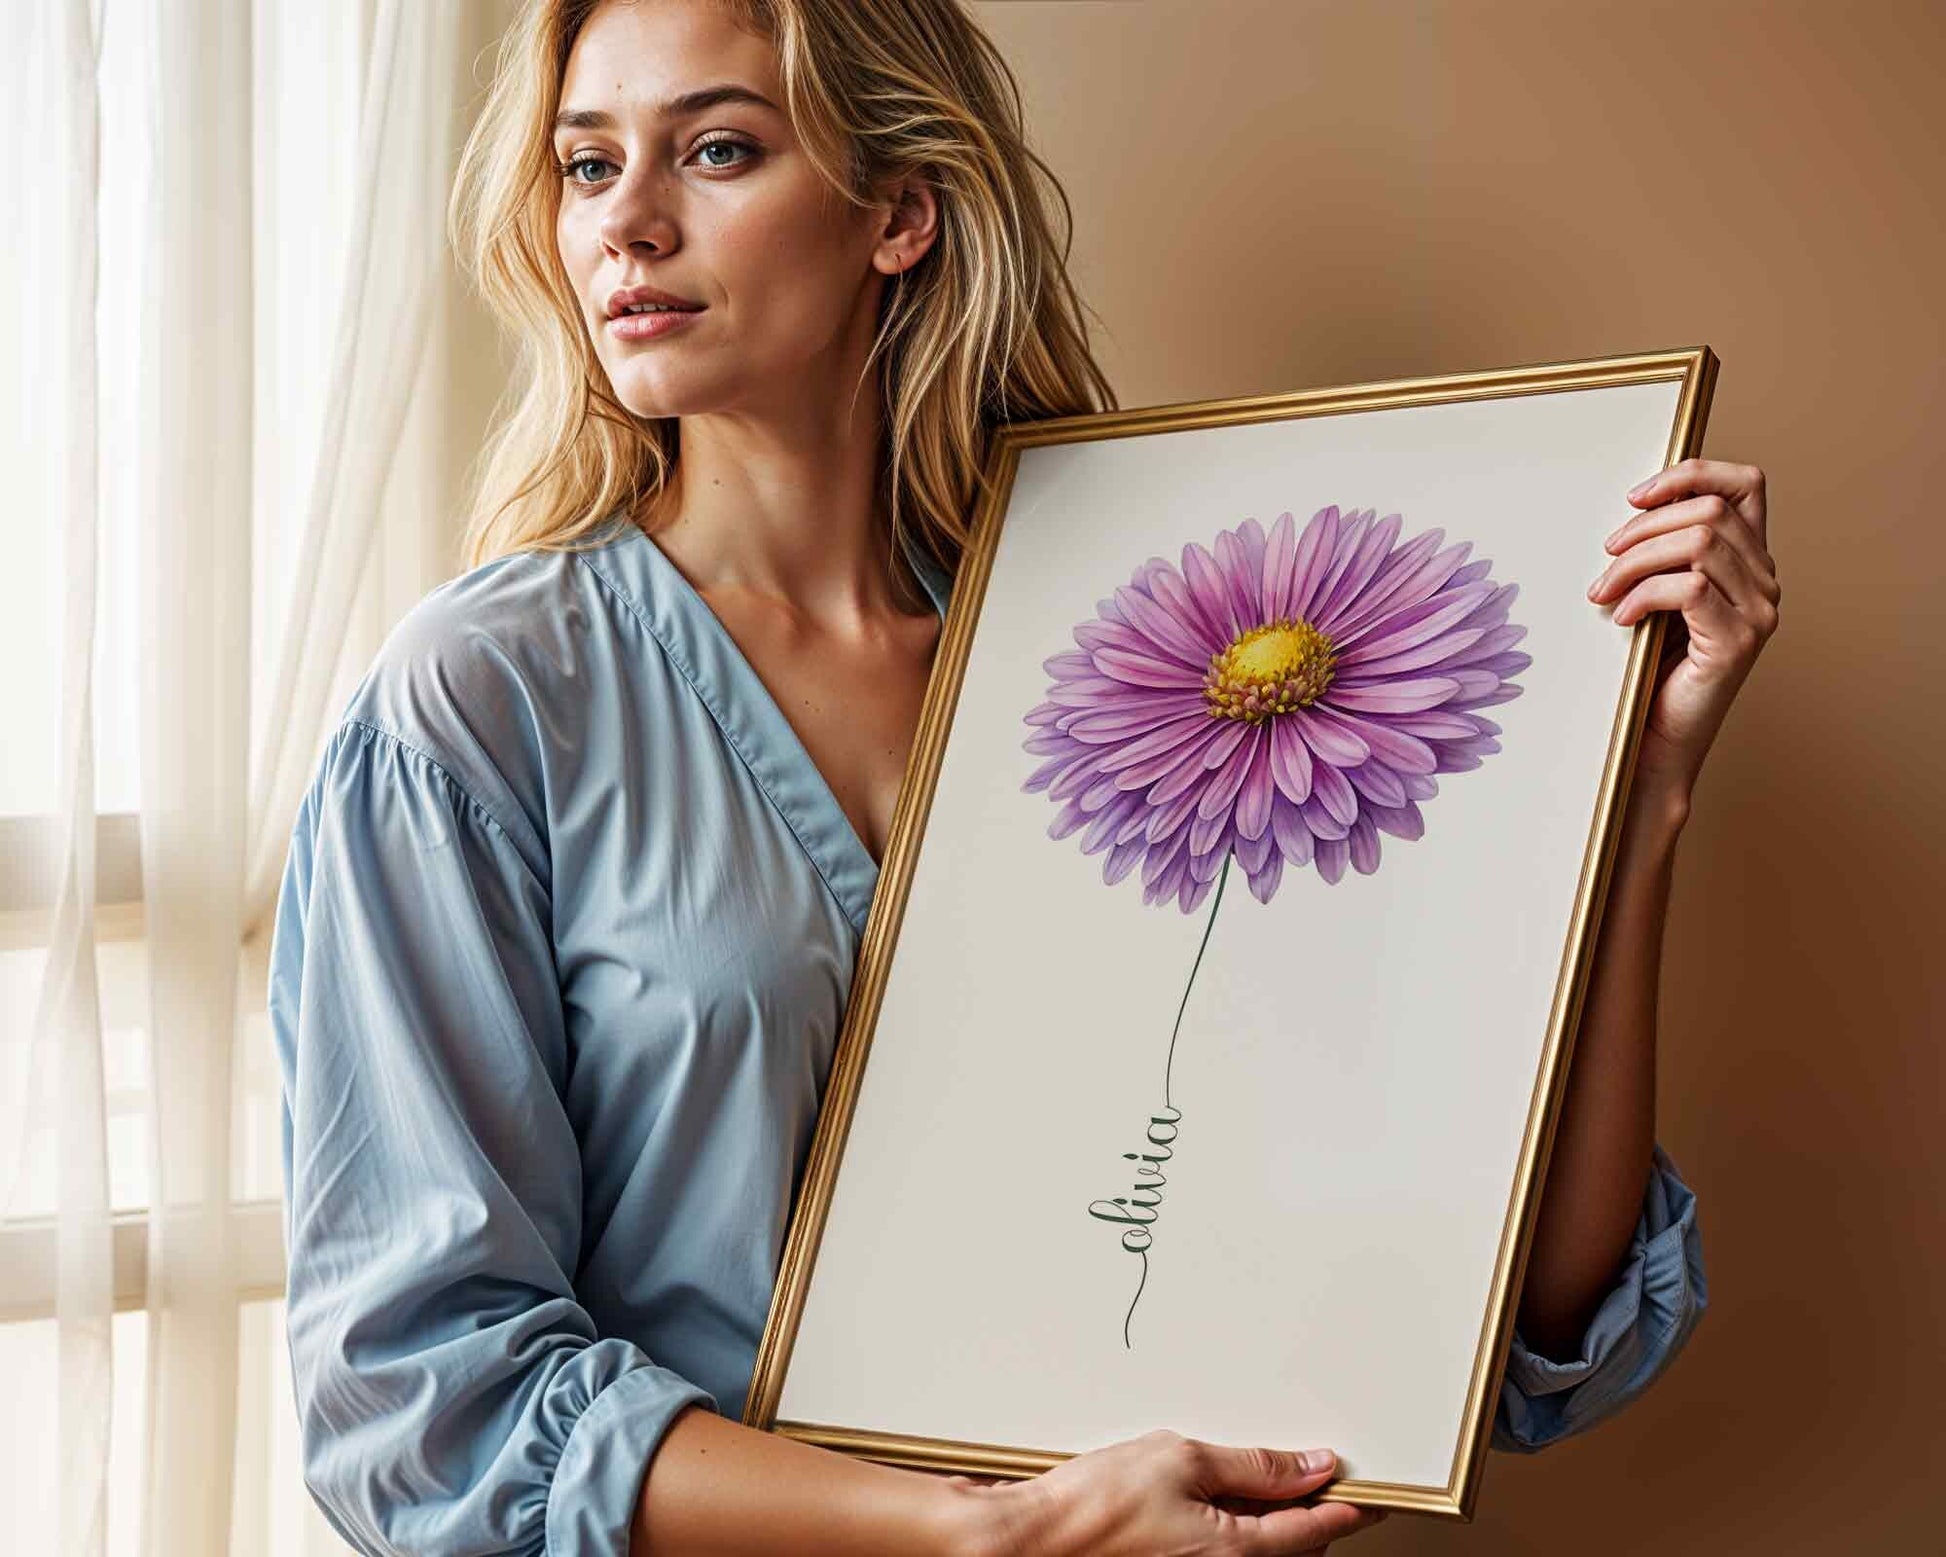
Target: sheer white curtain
[(241, 390)]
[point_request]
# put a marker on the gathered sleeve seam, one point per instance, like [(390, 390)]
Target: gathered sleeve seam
[(631, 1442), (486, 812)]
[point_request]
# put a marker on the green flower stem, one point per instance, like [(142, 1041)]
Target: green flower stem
[(1215, 903)]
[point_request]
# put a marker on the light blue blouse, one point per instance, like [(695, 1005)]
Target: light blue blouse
[(560, 958)]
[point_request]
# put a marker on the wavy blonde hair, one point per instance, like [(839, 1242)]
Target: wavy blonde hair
[(987, 328)]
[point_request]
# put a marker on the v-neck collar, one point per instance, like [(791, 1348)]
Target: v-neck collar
[(702, 649)]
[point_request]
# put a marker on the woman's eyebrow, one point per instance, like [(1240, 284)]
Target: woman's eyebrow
[(670, 108)]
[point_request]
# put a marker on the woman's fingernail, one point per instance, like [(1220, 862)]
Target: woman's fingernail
[(1317, 1459), (1639, 488)]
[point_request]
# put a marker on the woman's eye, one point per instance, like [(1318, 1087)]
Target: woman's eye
[(703, 153), (568, 168), (706, 147)]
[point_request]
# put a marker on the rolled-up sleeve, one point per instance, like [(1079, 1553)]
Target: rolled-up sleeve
[(453, 1393), (1640, 1326)]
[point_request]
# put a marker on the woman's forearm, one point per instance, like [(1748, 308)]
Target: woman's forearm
[(716, 1488), (1606, 1139)]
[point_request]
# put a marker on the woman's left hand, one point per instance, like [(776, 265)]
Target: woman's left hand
[(1697, 548)]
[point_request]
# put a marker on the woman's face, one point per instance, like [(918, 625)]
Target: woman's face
[(714, 203)]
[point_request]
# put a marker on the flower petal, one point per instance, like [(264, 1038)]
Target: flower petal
[(1205, 865), (1280, 551), (1047, 743), (1399, 587), (1414, 624), (1186, 771), (1175, 596), (1437, 724), (1406, 821), (1144, 671), (1227, 780), (1497, 640), (1363, 844), (1361, 661), (1071, 663), (1351, 531), (1505, 665), (1333, 790), (1239, 579), (1252, 852), (1163, 854), (1204, 831), (1333, 855), (1327, 740), (1126, 637), (1318, 818), (1263, 883), (1165, 818), (1376, 783), (1098, 793), (1156, 742), (1167, 864), (1234, 730), (1315, 549), (1403, 753), (1121, 859), (1253, 800), (1287, 827), (1112, 726), (1096, 691), (1191, 893), (1076, 777), (1160, 626), (1212, 593), (1051, 769), (1374, 546), (1507, 693), (1392, 697), (1101, 830), (1066, 820), (1290, 761), (1492, 611)]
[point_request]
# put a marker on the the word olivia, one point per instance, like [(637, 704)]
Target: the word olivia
[(1137, 1210)]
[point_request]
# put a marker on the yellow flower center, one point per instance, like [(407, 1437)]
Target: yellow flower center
[(1269, 670)]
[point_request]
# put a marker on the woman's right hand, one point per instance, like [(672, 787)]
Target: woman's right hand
[(1164, 1493)]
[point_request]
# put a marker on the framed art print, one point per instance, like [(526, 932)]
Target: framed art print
[(1208, 1033)]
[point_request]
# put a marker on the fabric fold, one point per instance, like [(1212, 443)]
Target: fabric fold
[(1634, 1335)]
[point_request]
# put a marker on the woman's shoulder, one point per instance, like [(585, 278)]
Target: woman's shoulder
[(490, 675)]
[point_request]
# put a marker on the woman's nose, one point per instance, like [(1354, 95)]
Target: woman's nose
[(640, 212)]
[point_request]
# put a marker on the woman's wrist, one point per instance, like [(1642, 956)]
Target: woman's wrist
[(1658, 810), (1002, 1520)]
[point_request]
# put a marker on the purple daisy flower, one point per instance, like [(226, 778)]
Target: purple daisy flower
[(1288, 698)]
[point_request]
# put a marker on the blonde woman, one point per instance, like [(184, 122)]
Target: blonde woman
[(572, 903)]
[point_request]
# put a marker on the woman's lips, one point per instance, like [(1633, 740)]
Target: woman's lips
[(645, 327)]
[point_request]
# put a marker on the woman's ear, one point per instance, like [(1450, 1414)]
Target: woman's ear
[(911, 224)]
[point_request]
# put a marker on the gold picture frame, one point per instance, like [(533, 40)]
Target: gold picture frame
[(1691, 372)]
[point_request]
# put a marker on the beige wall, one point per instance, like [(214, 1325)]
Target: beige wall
[(1272, 194)]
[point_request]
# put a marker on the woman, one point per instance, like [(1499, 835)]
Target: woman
[(572, 903)]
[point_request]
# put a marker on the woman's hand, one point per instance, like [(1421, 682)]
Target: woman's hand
[(1699, 548), (1163, 1492)]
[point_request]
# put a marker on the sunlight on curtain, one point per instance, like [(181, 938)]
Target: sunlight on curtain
[(267, 498), (272, 1512)]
